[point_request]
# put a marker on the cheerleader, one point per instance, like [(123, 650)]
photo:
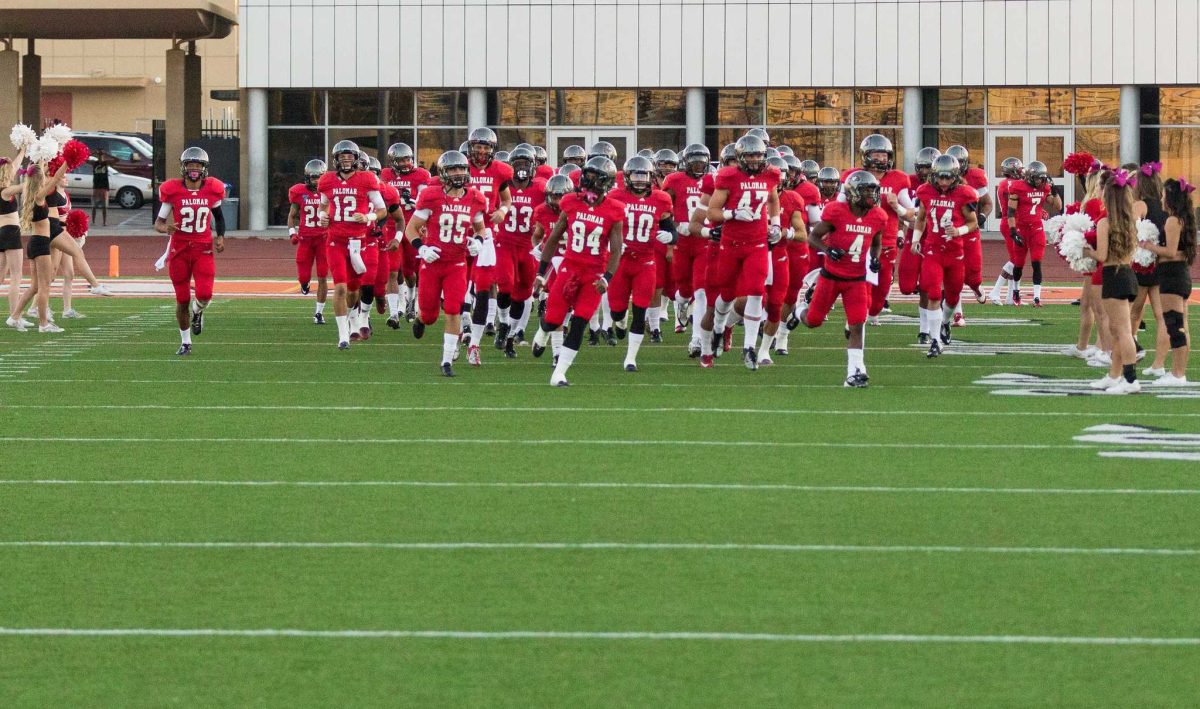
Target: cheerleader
[(1176, 253), (1091, 315), (1149, 207), (35, 219), (12, 260), (1116, 239)]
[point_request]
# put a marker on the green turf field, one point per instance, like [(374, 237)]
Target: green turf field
[(272, 522)]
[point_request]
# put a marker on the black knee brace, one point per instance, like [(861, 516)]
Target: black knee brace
[(1017, 271), (516, 310), (1037, 273), (479, 316), (1174, 323), (366, 294), (503, 300), (574, 338), (638, 326)]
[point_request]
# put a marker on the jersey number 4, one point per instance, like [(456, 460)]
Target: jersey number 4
[(193, 220)]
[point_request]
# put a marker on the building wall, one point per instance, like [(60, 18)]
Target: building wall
[(853, 43)]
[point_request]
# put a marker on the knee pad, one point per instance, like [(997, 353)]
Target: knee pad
[(504, 300), (479, 315), (366, 294), (638, 325), (1174, 322), (574, 338), (1016, 272), (1037, 273)]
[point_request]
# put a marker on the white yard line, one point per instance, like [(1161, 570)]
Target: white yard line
[(602, 635), (613, 546)]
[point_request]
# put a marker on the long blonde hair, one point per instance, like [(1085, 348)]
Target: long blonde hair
[(1122, 226), (33, 188), (1092, 185), (8, 172)]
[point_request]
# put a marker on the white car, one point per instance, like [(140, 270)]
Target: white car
[(125, 190)]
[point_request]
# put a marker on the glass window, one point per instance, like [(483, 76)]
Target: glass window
[(1051, 149), (828, 146), (661, 108), (1033, 106), (296, 108), (969, 138), (1103, 143), (896, 135), (369, 140), (1007, 146), (520, 108), (738, 107), (1179, 106), (583, 107), (510, 137), (805, 107), (398, 107), (287, 152), (953, 107), (120, 150), (878, 106), (432, 142), (442, 108), (1097, 107), (396, 135), (356, 108), (659, 138), (1179, 151)]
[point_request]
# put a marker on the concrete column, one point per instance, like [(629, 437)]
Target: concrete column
[(176, 82), (10, 80), (476, 109), (192, 82), (914, 125), (257, 173), (1131, 124), (31, 89), (695, 116)]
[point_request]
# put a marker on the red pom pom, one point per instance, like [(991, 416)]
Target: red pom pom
[(77, 223), (1079, 163), (53, 165), (75, 153)]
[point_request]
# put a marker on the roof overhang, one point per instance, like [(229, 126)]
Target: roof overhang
[(123, 19)]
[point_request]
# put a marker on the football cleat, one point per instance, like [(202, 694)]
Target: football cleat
[(887, 306), (489, 330), (858, 380), (610, 338), (959, 320), (355, 337), (501, 335), (538, 349), (559, 382), (318, 319), (631, 367), (1016, 298), (765, 361), (541, 310), (447, 370), (1037, 303), (656, 335), (184, 350), (473, 356), (343, 345), (781, 352), (679, 328), (593, 338), (716, 343), (727, 341), (694, 350), (620, 330), (364, 332), (418, 329), (410, 310), (706, 361), (380, 306), (935, 348), (923, 338), (873, 320), (946, 339), (994, 298), (750, 358), (304, 288), (394, 322), (846, 331), (197, 322), (519, 338), (1141, 325), (510, 348)]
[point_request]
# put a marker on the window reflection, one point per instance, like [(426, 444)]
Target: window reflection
[(736, 106), (442, 108), (828, 146), (661, 108), (1179, 151), (357, 108), (432, 142), (583, 107), (1103, 143), (896, 135), (521, 108), (510, 137), (954, 107), (296, 108), (659, 138), (287, 153), (1030, 106), (878, 106), (1097, 107), (801, 107), (1179, 106)]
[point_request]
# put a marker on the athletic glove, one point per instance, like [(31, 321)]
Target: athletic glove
[(873, 264), (834, 254), (1016, 236), (665, 237), (684, 229), (774, 234), (429, 254), (742, 214), (714, 233), (474, 245)]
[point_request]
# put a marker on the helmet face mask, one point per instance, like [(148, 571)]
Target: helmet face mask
[(1012, 168), (1036, 174), (482, 143), (695, 159), (193, 164), (945, 174), (599, 174), (862, 190), (454, 170), (345, 156), (751, 154), (877, 153), (665, 162), (313, 171), (556, 188), (523, 161), (829, 180), (400, 156)]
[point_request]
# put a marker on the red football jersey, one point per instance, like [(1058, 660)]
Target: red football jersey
[(941, 211), (490, 181), (811, 194), (390, 196), (790, 202), (543, 172), (346, 198), (892, 182), (546, 217), (852, 234), (449, 219), (192, 209), (708, 183), (307, 203), (976, 179), (747, 192), (414, 181), (517, 228), (1029, 201), (685, 194), (642, 214), (587, 230)]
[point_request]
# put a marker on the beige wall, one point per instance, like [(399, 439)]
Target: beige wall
[(84, 67)]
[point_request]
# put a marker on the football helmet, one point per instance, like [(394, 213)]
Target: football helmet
[(574, 154), (540, 155), (945, 167), (961, 155), (829, 180), (810, 169), (557, 187), (1012, 168), (313, 170), (876, 143), (482, 143), (345, 155), (523, 161), (599, 175), (728, 155), (666, 161), (401, 158), (1036, 174), (603, 149), (639, 175), (454, 170), (761, 134), (862, 189), (194, 155), (786, 150), (751, 153), (696, 157)]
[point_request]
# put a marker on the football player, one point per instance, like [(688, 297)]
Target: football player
[(792, 217), (699, 224), (310, 240), (515, 267), (545, 216), (910, 260), (190, 213), (543, 171), (850, 235), (683, 187), (408, 179), (802, 175), (976, 179), (879, 158), (592, 224), (1012, 169), (1027, 200), (946, 216), (573, 155), (456, 214), (648, 222)]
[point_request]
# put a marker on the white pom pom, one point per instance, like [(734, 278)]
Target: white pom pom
[(1079, 222), (1071, 246), (1054, 227), (61, 133), (1147, 231), (1142, 257), (43, 149), (22, 136)]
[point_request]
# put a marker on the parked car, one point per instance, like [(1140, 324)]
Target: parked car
[(134, 155), (127, 191)]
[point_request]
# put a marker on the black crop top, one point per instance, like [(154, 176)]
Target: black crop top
[(1158, 217), (8, 206), (41, 212), (55, 199)]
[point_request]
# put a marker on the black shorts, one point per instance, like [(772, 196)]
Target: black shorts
[(38, 246), (1118, 282), (100, 182), (56, 227), (10, 237), (1174, 278), (1146, 280)]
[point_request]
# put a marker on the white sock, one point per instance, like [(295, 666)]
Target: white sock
[(652, 319), (1037, 291), (781, 338), (343, 327), (540, 337), (1000, 287), (722, 309), (403, 297), (753, 320), (492, 309), (958, 308), (764, 351), (605, 313), (635, 342), (524, 321), (449, 345), (320, 307), (185, 335), (854, 362), (924, 320), (706, 337), (556, 340), (594, 323), (393, 301), (502, 317), (476, 334), (664, 314), (198, 307), (934, 318), (699, 306), (947, 312), (681, 304), (565, 357)]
